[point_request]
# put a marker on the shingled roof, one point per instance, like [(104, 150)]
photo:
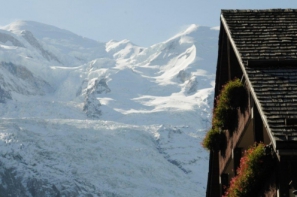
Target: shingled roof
[(265, 43)]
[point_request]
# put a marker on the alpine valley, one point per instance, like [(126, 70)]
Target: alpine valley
[(80, 117)]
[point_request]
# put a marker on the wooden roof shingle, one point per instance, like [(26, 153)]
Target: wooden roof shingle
[(266, 42)]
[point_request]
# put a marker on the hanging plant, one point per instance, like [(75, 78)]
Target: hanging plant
[(225, 115), (214, 139), (232, 97), (255, 167)]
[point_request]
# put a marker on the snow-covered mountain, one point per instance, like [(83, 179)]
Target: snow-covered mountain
[(85, 118)]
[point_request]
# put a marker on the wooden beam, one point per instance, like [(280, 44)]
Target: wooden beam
[(229, 59)]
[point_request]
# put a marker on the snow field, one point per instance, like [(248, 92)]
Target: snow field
[(155, 108)]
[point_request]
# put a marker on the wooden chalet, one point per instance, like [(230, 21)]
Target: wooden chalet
[(259, 47)]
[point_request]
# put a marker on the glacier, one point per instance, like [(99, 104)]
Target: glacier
[(81, 117)]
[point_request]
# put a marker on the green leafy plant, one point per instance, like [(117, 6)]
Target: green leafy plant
[(213, 139), (255, 166), (232, 97), (225, 115)]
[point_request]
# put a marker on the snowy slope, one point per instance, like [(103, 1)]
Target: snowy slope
[(84, 118), (55, 44)]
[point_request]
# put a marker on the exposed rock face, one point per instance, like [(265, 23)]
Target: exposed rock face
[(34, 42), (4, 95), (18, 71), (91, 103), (4, 38), (192, 86), (183, 76), (99, 87), (18, 79), (191, 81), (92, 106)]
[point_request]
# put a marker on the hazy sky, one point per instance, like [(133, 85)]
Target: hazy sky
[(144, 22)]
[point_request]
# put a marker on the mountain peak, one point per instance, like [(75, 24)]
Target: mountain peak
[(35, 27), (109, 118), (194, 33), (41, 31), (191, 28)]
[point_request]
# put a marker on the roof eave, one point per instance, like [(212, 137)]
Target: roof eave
[(257, 102)]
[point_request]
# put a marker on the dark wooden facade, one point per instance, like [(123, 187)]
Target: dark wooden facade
[(260, 48)]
